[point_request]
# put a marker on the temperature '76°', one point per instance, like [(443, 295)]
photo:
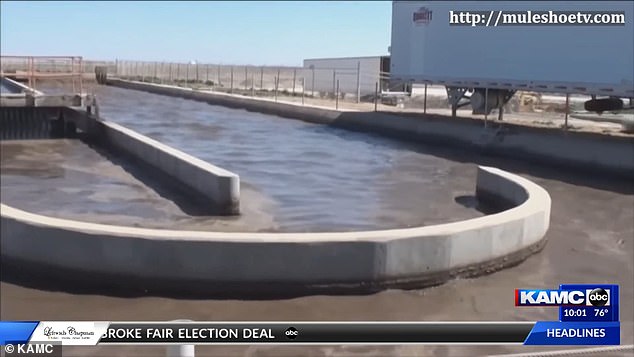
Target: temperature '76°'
[(600, 312)]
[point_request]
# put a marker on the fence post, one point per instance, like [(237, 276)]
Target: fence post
[(261, 78), (312, 90), (246, 78), (358, 81), (334, 82), (155, 72), (567, 106), (187, 75), (206, 74), (252, 84), (231, 88), (303, 89), (276, 84), (294, 76), (337, 96), (143, 70), (376, 95), (486, 105), (278, 79), (425, 100), (197, 73), (218, 75)]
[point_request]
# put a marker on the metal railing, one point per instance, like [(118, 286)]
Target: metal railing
[(34, 68)]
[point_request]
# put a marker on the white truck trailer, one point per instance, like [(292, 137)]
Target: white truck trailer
[(502, 48)]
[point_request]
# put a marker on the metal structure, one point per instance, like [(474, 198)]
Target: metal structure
[(30, 69), (356, 75), (19, 76)]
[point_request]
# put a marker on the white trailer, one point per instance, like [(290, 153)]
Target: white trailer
[(356, 75), (488, 63)]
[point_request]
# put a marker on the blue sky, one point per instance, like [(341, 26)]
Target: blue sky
[(260, 32)]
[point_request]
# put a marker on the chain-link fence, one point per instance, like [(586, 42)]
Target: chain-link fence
[(357, 86), (352, 85)]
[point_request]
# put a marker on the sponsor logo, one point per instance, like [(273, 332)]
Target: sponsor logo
[(70, 333)]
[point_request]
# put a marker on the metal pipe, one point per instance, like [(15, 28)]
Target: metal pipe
[(181, 350)]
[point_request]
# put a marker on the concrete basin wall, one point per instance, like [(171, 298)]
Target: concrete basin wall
[(221, 188), (609, 154), (284, 263)]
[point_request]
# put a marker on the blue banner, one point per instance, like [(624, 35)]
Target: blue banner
[(16, 332), (574, 333)]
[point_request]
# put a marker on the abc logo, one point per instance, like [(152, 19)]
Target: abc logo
[(598, 297), (291, 333)]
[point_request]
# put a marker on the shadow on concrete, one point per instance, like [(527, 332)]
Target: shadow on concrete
[(186, 199), (472, 202)]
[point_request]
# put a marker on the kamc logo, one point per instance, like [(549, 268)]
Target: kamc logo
[(422, 16)]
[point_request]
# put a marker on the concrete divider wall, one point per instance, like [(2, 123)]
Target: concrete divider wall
[(608, 154), (214, 262), (219, 186)]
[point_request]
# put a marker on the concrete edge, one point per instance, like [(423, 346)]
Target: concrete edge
[(19, 87), (582, 151), (358, 261), (218, 186)]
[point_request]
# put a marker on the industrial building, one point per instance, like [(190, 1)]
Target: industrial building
[(357, 76)]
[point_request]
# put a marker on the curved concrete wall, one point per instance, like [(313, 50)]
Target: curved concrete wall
[(576, 150), (289, 263)]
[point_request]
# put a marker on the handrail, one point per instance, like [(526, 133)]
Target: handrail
[(30, 68)]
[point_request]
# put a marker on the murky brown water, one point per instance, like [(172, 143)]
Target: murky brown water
[(296, 176), (590, 241)]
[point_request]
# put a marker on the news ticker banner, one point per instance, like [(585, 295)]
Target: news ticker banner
[(198, 333)]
